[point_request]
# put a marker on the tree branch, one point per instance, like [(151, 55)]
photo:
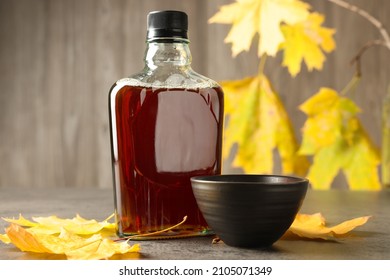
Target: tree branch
[(367, 16), (357, 58), (385, 35)]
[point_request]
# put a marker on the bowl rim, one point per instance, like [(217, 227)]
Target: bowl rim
[(209, 179)]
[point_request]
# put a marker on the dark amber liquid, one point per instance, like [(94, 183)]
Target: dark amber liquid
[(160, 139)]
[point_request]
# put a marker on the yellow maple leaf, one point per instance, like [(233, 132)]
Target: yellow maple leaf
[(21, 221), (258, 123), (306, 41), (327, 115), (72, 245), (54, 224), (76, 238), (103, 249), (361, 168), (335, 137), (5, 239), (24, 240), (262, 17), (314, 226)]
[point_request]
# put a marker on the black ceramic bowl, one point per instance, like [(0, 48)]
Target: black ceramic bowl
[(249, 210)]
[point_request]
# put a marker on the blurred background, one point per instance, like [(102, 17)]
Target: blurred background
[(59, 58)]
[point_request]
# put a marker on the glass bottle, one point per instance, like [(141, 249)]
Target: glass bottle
[(385, 157), (166, 127)]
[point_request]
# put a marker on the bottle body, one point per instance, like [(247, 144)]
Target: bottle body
[(166, 127)]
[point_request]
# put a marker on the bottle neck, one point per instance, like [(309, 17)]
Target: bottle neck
[(167, 53)]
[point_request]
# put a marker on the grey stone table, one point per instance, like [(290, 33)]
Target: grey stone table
[(371, 241)]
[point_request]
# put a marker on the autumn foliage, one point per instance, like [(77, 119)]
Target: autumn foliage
[(82, 239), (333, 137), (77, 238)]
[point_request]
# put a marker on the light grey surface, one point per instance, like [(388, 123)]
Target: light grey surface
[(371, 241)]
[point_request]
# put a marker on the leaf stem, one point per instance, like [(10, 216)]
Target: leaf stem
[(263, 59), (357, 58), (153, 233), (351, 85), (111, 216)]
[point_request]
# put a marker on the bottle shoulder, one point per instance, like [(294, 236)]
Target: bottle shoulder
[(168, 78)]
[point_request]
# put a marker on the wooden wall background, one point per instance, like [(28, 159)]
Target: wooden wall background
[(58, 59)]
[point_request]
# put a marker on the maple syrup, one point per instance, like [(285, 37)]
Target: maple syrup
[(164, 137)]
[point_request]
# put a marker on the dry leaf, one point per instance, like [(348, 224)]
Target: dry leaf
[(77, 238), (258, 123), (335, 138), (262, 17), (314, 226), (306, 41), (24, 240), (5, 239), (53, 224)]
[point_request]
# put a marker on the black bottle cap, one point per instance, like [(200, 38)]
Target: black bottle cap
[(167, 24)]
